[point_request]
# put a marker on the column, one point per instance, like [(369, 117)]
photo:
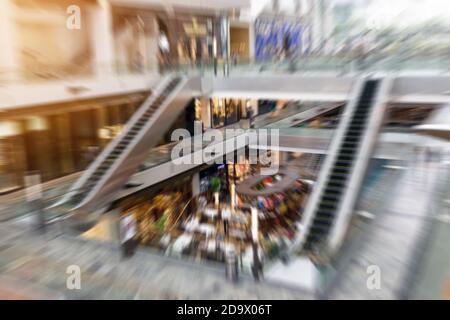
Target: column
[(195, 184), (251, 41), (65, 143), (317, 24), (102, 38), (205, 112), (225, 40), (253, 103), (9, 64), (102, 122), (152, 47), (298, 7), (328, 26)]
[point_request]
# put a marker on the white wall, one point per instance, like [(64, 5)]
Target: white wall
[(8, 54), (22, 95)]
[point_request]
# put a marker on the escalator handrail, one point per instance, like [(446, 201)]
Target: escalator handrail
[(311, 207), (79, 184), (363, 155), (138, 137)]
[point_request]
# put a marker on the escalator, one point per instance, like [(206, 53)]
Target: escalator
[(329, 209), (109, 173)]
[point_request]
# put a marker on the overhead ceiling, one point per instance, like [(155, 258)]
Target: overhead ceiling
[(211, 5)]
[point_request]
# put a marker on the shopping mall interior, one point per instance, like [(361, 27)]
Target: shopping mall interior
[(276, 149)]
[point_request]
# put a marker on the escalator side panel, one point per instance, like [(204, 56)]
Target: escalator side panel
[(111, 171)]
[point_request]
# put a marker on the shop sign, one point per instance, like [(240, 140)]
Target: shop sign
[(194, 28)]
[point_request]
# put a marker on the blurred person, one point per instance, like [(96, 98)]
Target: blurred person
[(89, 155), (128, 235), (286, 49), (257, 267), (284, 256), (164, 51), (198, 53), (250, 116), (234, 57)]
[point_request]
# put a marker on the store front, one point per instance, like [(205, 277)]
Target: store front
[(136, 40), (207, 215), (239, 43), (225, 112), (277, 38), (266, 106), (56, 140), (188, 39), (279, 201)]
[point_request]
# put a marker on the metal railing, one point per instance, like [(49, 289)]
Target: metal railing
[(226, 67)]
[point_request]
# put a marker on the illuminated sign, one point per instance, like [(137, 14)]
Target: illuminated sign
[(194, 28)]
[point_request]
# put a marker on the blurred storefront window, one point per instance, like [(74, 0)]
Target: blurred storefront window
[(56, 140), (226, 111), (49, 50), (275, 37), (12, 161)]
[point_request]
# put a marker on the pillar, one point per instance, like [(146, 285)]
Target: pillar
[(9, 60), (225, 37), (195, 184), (102, 38)]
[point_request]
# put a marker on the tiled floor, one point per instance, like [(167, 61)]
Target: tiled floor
[(43, 262), (392, 238), (390, 242)]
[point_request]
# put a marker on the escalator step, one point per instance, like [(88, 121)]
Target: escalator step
[(352, 140), (349, 146), (338, 174), (323, 222), (360, 116), (341, 171), (316, 235), (312, 239), (358, 125), (354, 128), (331, 190), (320, 229), (337, 178), (340, 167), (330, 197), (324, 216), (353, 132), (347, 151), (336, 184), (332, 203), (327, 206), (359, 121), (342, 164)]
